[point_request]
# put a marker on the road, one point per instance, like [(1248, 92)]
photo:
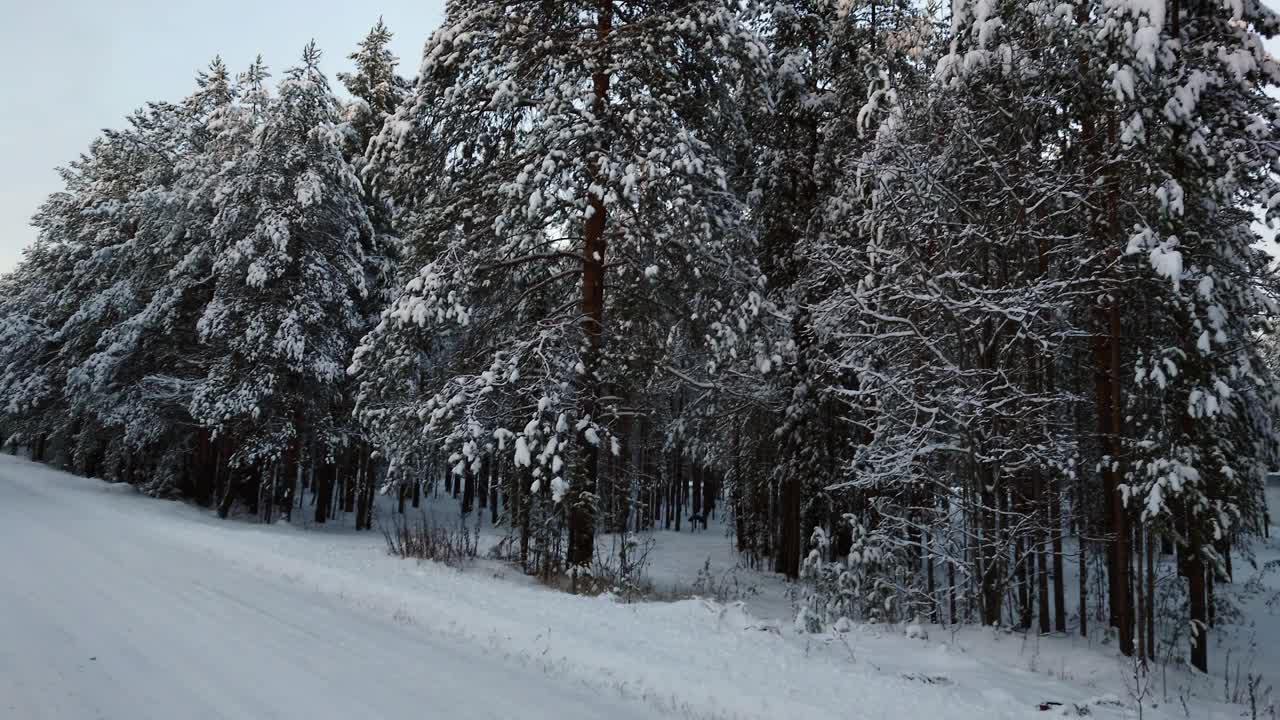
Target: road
[(105, 613)]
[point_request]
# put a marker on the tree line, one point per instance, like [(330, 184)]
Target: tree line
[(940, 306)]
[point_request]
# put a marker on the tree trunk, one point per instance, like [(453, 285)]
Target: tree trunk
[(677, 487), (929, 578), (1199, 610), (695, 471), (1151, 591), (495, 479), (582, 497), (362, 479), (1139, 602), (291, 478), (468, 488), (269, 491), (325, 477), (350, 470), (229, 495), (990, 569), (1038, 535), (1026, 568), (1059, 569), (787, 561), (951, 593), (369, 476), (522, 503), (204, 462)]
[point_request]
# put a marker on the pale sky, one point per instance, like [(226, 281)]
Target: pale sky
[(74, 67)]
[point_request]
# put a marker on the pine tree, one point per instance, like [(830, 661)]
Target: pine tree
[(549, 151), (95, 237), (376, 92), (943, 287), (1192, 138), (375, 87), (141, 375), (288, 278)]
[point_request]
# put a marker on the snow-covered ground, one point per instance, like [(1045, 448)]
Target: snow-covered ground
[(116, 606)]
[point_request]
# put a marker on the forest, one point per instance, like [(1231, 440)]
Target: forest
[(954, 312)]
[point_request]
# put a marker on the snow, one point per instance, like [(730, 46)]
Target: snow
[(114, 610), (1123, 83), (1166, 261), (120, 606), (522, 457)]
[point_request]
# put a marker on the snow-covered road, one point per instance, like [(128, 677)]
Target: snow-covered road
[(110, 614), (116, 606)]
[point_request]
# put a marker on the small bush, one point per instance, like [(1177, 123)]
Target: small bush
[(421, 540), (724, 588), (622, 571)]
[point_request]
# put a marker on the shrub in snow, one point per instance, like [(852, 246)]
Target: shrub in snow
[(859, 586), (425, 541)]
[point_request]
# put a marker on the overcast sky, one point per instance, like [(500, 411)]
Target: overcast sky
[(73, 67)]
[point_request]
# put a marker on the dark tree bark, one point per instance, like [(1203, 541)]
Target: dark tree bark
[(229, 494), (495, 480), (350, 468), (990, 568), (1199, 610), (267, 492), (1151, 602), (291, 478), (696, 473), (204, 464), (951, 593), (1109, 425), (368, 484), (787, 560), (1059, 583), (1040, 555), (582, 502), (468, 489), (326, 475), (362, 482), (677, 488)]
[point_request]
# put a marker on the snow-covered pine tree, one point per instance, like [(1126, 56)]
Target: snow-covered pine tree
[(1193, 144), (550, 151), (30, 375), (945, 271), (93, 240), (140, 377), (288, 280), (376, 90), (827, 59)]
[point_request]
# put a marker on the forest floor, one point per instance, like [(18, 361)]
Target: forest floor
[(113, 605)]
